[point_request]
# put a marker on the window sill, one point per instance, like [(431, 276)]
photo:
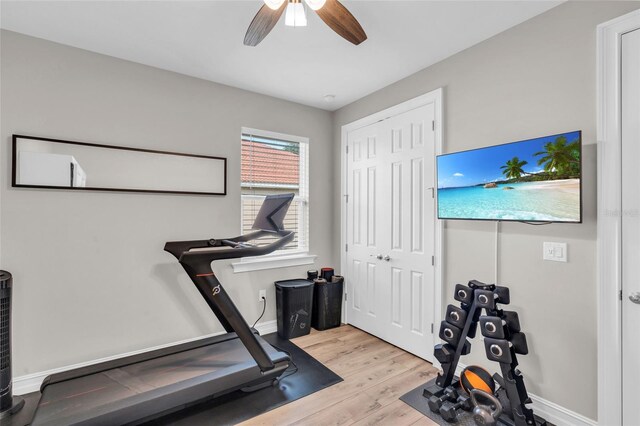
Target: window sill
[(261, 263)]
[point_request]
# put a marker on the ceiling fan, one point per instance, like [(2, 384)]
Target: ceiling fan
[(332, 12)]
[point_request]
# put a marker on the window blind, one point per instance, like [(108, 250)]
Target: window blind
[(276, 166)]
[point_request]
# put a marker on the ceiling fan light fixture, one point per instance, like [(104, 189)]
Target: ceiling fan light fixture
[(315, 4), (295, 15), (274, 4)]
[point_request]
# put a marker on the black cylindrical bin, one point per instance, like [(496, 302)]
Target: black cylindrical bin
[(8, 404), (294, 302), (327, 304)]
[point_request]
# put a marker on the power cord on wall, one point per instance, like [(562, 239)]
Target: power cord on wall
[(497, 250), (264, 308), (295, 367), (498, 241)]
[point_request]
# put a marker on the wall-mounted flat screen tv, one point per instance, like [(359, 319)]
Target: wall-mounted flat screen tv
[(536, 180)]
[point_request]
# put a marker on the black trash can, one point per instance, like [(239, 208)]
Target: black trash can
[(294, 303), (327, 304)]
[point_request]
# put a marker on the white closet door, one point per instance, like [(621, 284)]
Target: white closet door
[(390, 230)]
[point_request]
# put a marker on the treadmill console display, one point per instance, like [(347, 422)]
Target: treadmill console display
[(272, 213)]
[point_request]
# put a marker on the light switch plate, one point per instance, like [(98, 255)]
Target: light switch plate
[(556, 252)]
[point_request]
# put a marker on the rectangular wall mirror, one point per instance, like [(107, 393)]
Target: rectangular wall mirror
[(59, 164)]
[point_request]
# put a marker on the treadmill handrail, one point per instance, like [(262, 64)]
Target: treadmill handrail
[(181, 249)]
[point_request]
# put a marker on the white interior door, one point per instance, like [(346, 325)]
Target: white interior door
[(390, 229), (630, 90)]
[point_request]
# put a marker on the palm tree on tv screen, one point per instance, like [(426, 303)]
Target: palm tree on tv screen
[(561, 158), (513, 168)]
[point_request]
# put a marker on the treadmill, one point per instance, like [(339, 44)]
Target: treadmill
[(149, 385)]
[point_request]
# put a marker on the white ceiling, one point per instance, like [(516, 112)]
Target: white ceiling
[(204, 39)]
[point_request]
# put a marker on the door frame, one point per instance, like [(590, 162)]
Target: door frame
[(434, 97), (609, 287)]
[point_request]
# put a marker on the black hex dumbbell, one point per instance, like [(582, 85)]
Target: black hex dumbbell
[(463, 294), (435, 402), (444, 353), (449, 410), (492, 327), (475, 284), (512, 320), (450, 333), (519, 342), (487, 299), (498, 350), (456, 316)]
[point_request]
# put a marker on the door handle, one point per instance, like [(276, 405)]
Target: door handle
[(635, 297), (387, 258)]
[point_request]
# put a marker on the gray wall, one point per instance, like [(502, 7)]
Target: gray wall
[(535, 79), (91, 278)]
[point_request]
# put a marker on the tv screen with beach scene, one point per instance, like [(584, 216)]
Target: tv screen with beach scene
[(536, 180)]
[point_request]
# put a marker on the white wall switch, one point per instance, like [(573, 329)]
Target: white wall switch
[(556, 252)]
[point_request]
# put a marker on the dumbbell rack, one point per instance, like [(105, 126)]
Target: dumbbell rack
[(502, 340)]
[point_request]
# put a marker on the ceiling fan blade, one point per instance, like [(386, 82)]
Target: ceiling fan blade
[(336, 16), (262, 24)]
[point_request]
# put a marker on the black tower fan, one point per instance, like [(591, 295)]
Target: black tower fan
[(8, 404)]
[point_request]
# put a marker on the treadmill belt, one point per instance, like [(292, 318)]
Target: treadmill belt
[(79, 399), (239, 406)]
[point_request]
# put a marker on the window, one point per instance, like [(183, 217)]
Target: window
[(276, 164)]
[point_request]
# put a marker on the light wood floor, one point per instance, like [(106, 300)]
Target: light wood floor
[(375, 375)]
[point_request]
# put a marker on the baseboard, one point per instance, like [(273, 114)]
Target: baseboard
[(31, 382), (551, 411), (267, 327)]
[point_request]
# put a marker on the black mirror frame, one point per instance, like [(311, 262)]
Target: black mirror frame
[(14, 183)]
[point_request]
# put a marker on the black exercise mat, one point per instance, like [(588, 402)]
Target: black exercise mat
[(415, 399), (418, 402), (239, 406)]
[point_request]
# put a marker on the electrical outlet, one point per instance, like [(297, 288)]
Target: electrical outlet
[(262, 294)]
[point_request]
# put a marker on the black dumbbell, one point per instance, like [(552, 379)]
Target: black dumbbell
[(502, 295), (487, 299), (449, 410), (463, 294), (498, 350), (492, 327), (512, 320), (456, 316), (450, 333), (435, 402), (444, 353), (519, 342), (475, 284)]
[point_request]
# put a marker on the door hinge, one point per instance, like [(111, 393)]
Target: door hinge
[(347, 149), (346, 198), (433, 125), (433, 260), (345, 297), (620, 294), (431, 328), (346, 247)]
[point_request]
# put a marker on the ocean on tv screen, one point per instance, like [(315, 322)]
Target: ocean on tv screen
[(533, 180)]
